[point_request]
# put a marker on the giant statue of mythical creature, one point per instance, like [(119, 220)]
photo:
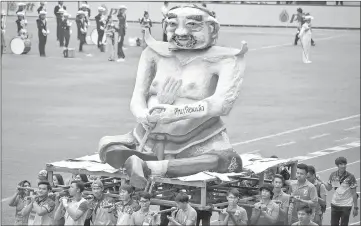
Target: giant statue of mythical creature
[(183, 88)]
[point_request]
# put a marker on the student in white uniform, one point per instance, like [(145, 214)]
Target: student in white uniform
[(306, 35)]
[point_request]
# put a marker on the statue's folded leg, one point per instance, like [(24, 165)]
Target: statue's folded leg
[(115, 150), (224, 161)]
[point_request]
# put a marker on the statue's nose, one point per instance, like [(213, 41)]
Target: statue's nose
[(181, 31)]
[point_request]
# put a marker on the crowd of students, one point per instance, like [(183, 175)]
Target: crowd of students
[(282, 202)]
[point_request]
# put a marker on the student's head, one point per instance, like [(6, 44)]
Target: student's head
[(266, 191), (58, 180), (182, 200), (43, 188), (81, 177), (311, 175), (278, 181), (341, 163), (233, 196), (25, 184), (299, 11), (126, 192), (301, 173), (60, 2), (204, 5), (144, 200), (76, 187), (42, 15), (304, 213), (146, 14), (97, 188), (166, 3)]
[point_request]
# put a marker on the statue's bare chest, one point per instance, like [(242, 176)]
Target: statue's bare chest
[(198, 77)]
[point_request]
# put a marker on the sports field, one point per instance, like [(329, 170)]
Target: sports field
[(55, 108)]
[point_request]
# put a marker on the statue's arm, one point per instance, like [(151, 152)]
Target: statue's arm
[(145, 74), (230, 78)]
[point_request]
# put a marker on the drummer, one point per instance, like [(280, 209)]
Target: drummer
[(21, 22), (43, 31)]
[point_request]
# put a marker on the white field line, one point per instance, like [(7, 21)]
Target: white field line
[(295, 130), (319, 136)]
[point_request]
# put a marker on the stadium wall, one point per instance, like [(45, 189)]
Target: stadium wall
[(340, 17)]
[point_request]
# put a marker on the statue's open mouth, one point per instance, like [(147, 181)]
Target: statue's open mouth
[(185, 41)]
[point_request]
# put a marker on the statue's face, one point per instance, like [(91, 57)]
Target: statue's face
[(190, 28)]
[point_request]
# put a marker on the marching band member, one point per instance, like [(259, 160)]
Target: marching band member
[(111, 38), (66, 30), (21, 8), (42, 7), (86, 10), (100, 215), (21, 22), (42, 204), (146, 24), (43, 32), (121, 32), (58, 17), (99, 19), (19, 201), (75, 211), (82, 29), (60, 30), (3, 26), (306, 35)]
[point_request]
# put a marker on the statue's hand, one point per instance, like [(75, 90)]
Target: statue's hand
[(169, 90), (143, 118), (163, 113)]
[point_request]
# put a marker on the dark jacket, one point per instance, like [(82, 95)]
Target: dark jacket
[(41, 26)]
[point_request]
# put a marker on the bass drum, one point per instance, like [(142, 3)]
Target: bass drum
[(94, 36), (20, 46)]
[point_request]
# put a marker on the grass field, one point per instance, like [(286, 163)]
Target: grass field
[(55, 108)]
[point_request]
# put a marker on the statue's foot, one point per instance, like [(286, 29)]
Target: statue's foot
[(137, 171), (229, 161), (117, 155)]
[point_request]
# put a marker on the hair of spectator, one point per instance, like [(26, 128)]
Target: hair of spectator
[(127, 188), (48, 186), (340, 160), (279, 176), (274, 157), (22, 183), (233, 192), (79, 184), (59, 178), (303, 167), (182, 197), (306, 208), (145, 195), (83, 178), (311, 170)]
